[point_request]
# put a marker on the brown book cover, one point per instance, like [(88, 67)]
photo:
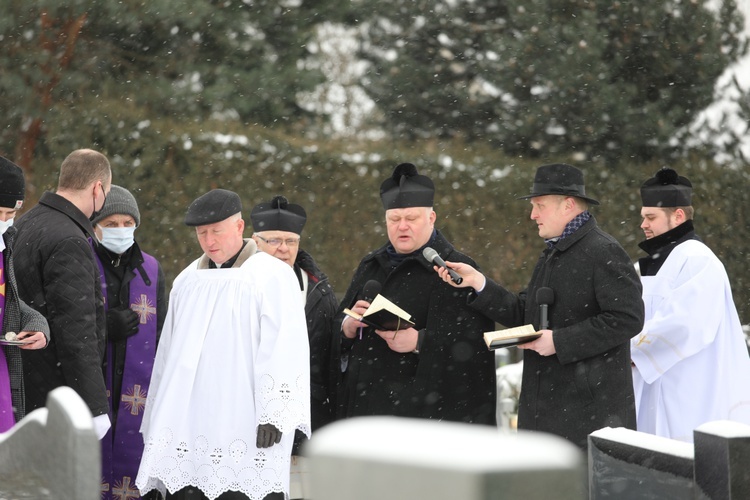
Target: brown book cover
[(510, 337), (383, 315)]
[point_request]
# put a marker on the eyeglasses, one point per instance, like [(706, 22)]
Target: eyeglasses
[(276, 242)]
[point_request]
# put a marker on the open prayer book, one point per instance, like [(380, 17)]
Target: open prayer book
[(383, 315), (510, 337)]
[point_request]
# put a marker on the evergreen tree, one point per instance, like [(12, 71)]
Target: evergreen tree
[(80, 63), (588, 78)]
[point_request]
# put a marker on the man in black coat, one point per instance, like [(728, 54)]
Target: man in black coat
[(439, 369), (576, 376), (60, 279)]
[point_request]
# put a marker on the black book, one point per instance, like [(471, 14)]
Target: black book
[(383, 315)]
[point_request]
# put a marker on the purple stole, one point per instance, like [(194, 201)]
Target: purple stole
[(121, 452), (6, 401)]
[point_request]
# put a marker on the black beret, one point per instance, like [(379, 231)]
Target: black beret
[(278, 215), (406, 188), (12, 185), (667, 189), (213, 207)]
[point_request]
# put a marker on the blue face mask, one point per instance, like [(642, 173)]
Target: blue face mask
[(117, 239)]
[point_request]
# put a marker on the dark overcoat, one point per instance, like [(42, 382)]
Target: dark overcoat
[(587, 384), (18, 317), (320, 309), (59, 277), (451, 378)]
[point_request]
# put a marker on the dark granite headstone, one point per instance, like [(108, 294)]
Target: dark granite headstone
[(625, 464), (722, 461)]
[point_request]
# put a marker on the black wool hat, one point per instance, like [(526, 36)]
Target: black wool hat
[(667, 189), (278, 215), (213, 207), (12, 185), (406, 188), (561, 179)]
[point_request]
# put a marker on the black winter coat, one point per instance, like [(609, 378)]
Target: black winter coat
[(587, 384), (320, 309), (453, 376), (60, 279)]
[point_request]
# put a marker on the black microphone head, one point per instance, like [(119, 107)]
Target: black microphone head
[(429, 254), (545, 295), (371, 290)]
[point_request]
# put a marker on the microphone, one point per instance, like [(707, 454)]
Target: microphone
[(433, 257), (544, 297), (369, 292)]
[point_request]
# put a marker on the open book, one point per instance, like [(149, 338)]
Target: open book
[(510, 337), (383, 315)]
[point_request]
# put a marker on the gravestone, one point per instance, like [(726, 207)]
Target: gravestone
[(376, 458), (625, 465), (52, 453), (722, 461)]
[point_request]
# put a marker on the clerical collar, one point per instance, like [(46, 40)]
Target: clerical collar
[(230, 262), (684, 231), (570, 228)]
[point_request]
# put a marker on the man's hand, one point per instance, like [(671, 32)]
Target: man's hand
[(471, 277), (544, 345), (268, 435), (34, 340), (400, 340), (351, 326), (122, 322)]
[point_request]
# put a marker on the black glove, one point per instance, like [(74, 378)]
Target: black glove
[(122, 322), (268, 435)]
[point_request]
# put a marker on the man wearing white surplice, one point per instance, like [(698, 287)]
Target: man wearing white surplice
[(690, 363), (231, 378)]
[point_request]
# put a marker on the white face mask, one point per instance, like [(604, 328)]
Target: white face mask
[(117, 239), (4, 225)]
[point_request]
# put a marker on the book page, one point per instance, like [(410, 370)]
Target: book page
[(380, 303)]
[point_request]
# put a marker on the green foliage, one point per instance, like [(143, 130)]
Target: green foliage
[(167, 58), (590, 79)]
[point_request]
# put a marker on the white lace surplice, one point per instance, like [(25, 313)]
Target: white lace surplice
[(233, 354)]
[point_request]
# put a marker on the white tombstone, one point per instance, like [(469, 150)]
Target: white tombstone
[(376, 458)]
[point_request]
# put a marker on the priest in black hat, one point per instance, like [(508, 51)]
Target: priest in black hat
[(692, 327), (576, 375), (278, 228), (440, 369), (231, 379)]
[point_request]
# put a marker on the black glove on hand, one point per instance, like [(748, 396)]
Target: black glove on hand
[(268, 435), (122, 322)]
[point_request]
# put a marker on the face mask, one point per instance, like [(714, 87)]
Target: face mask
[(4, 225), (117, 239), (96, 212)]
